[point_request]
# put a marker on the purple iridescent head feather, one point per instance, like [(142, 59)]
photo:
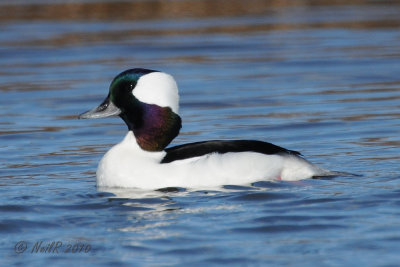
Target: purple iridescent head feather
[(159, 126), (154, 126)]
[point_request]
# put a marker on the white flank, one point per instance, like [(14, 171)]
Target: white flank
[(158, 88), (126, 165)]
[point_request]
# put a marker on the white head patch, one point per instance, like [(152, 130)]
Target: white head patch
[(158, 88)]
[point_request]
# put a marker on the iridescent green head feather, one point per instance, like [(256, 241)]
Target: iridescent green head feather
[(147, 101)]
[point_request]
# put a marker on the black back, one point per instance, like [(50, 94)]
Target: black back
[(219, 146)]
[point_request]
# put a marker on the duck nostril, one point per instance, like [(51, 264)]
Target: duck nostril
[(103, 106)]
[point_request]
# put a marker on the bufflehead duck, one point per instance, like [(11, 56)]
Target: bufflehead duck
[(148, 102)]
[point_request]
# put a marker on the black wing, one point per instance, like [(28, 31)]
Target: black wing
[(217, 146)]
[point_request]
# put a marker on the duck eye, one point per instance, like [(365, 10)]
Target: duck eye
[(127, 87)]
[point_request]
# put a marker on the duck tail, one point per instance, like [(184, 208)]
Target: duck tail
[(330, 174)]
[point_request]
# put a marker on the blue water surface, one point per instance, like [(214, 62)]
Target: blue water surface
[(321, 79)]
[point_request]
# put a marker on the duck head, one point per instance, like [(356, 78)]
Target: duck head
[(148, 102)]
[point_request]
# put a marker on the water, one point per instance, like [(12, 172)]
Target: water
[(322, 79)]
